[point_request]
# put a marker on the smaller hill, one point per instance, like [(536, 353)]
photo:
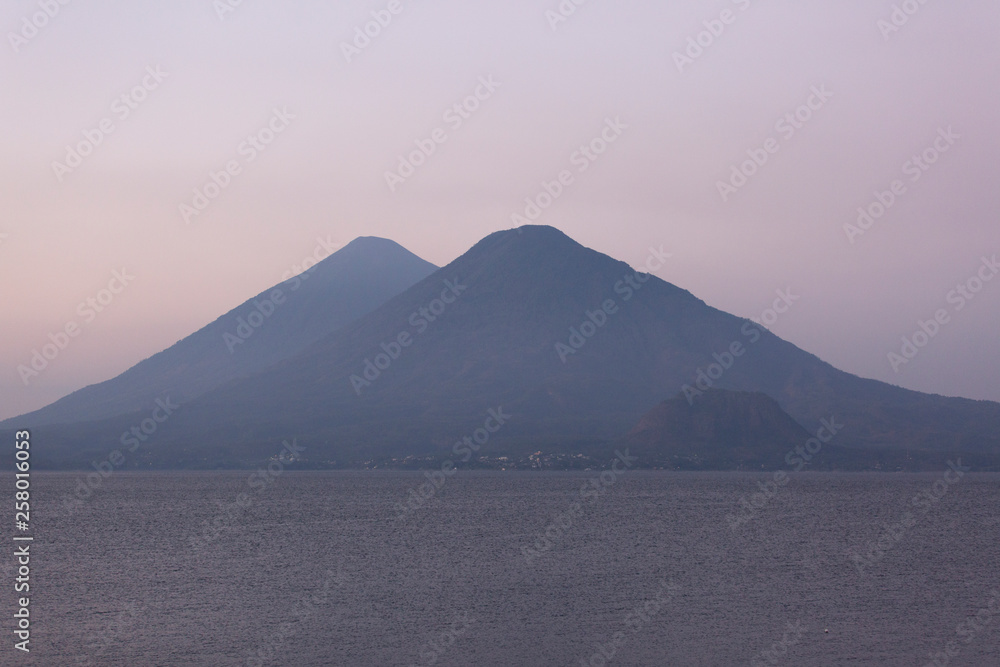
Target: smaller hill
[(720, 430)]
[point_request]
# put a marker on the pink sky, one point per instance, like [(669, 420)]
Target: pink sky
[(344, 124)]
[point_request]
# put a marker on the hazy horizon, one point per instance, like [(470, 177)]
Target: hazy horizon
[(208, 81)]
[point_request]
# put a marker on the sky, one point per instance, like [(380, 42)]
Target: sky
[(170, 160)]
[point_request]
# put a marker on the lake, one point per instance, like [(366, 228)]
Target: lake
[(514, 568)]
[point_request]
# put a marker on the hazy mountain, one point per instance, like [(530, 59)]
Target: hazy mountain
[(503, 326), (723, 429), (274, 325), (736, 430)]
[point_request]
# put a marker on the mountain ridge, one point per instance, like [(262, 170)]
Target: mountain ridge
[(312, 303), (525, 292)]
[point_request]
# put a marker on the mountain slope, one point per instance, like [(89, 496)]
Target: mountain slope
[(494, 329), (736, 430), (723, 429), (291, 315)]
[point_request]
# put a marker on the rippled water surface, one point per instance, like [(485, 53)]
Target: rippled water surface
[(320, 569)]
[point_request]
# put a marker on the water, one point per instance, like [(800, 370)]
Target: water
[(120, 582)]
